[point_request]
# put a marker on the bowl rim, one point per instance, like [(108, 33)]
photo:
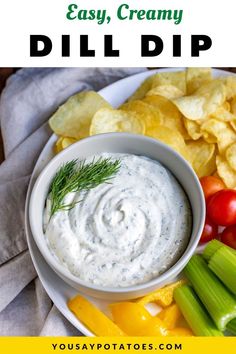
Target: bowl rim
[(62, 271)]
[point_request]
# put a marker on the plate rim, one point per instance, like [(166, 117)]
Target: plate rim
[(72, 319)]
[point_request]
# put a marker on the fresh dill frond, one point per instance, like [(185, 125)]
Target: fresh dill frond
[(76, 176)]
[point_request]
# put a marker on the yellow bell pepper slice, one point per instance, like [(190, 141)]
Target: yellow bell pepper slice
[(130, 316), (93, 318), (154, 328), (170, 316), (181, 332), (163, 296)]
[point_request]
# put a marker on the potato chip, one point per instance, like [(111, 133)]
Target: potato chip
[(233, 111), (233, 124), (142, 89), (226, 173), (202, 102), (216, 174), (209, 138), (145, 112), (187, 110), (171, 116), (172, 138), (202, 157), (110, 120), (221, 131), (193, 128), (196, 77), (208, 168), (67, 142), (73, 118), (230, 156), (63, 142), (226, 106), (58, 145), (222, 114), (233, 105), (174, 78), (168, 91), (230, 84)]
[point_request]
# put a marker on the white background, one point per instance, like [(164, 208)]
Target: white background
[(20, 18)]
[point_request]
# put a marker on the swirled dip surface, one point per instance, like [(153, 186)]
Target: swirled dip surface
[(126, 232)]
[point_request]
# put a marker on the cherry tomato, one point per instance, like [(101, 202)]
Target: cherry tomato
[(228, 236), (221, 207), (209, 232), (211, 185)]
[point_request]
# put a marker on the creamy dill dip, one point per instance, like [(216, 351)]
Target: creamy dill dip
[(126, 232)]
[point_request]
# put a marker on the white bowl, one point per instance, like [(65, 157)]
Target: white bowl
[(120, 143)]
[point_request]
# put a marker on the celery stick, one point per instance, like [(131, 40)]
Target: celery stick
[(223, 264), (231, 326), (194, 312), (218, 301), (212, 247)]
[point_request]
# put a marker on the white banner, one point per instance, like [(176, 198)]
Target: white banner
[(117, 33)]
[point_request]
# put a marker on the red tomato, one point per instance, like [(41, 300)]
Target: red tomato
[(210, 231), (211, 185), (228, 236), (221, 207)]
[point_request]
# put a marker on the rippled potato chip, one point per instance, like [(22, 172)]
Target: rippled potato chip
[(174, 78), (73, 118), (58, 145), (168, 91), (110, 120), (223, 114), (209, 138), (233, 110), (193, 128), (203, 102), (230, 84), (63, 142), (196, 77), (208, 168), (172, 138), (233, 105), (225, 172), (142, 89), (230, 156), (226, 105), (67, 142), (202, 157), (188, 110), (171, 116), (233, 124), (151, 117), (222, 131)]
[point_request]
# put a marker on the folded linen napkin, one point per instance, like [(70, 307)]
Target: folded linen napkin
[(28, 100)]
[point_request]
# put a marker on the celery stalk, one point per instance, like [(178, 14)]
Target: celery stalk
[(218, 301), (212, 247), (231, 326), (194, 312), (223, 264)]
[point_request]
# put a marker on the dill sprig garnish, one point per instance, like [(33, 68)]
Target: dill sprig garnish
[(76, 176)]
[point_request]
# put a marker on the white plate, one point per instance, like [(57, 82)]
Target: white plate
[(56, 288)]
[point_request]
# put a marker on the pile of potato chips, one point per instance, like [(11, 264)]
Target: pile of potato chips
[(190, 111)]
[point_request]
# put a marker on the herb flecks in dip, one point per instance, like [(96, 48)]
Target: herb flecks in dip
[(126, 232)]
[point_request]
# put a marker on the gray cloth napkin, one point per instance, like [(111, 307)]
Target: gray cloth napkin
[(30, 97)]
